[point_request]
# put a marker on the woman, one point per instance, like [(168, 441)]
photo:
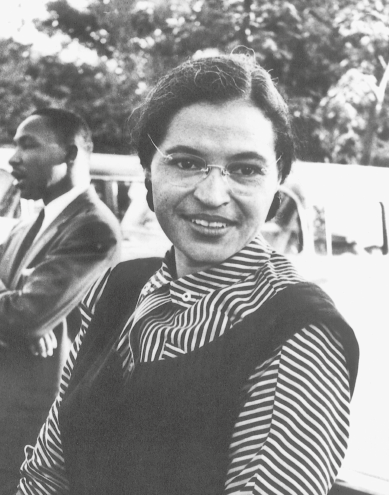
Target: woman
[(231, 374)]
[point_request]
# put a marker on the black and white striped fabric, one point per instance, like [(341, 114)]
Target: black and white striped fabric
[(292, 431)]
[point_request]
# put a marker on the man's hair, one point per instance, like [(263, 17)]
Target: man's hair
[(67, 126), (215, 80)]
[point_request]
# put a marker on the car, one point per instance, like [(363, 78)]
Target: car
[(333, 225), (119, 181)]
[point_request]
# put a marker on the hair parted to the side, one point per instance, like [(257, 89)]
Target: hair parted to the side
[(67, 126), (215, 80)]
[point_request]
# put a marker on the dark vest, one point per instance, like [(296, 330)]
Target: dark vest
[(166, 428)]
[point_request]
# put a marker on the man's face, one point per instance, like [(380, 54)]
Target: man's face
[(38, 162)]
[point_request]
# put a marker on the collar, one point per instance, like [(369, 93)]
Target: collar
[(185, 291), (57, 206)]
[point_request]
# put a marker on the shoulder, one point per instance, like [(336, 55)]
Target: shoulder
[(294, 303), (94, 208), (305, 305), (134, 273), (88, 219), (115, 295), (119, 284), (279, 273)]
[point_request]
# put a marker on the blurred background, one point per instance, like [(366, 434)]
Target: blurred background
[(98, 57)]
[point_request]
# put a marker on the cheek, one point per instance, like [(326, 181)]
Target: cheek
[(164, 212), (255, 210), (165, 196), (38, 174), (162, 202)]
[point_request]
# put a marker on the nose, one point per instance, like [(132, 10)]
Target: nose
[(15, 159), (214, 189)]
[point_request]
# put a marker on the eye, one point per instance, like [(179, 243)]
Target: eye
[(186, 162), (246, 169), (27, 144)]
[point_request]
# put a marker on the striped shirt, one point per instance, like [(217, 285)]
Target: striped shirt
[(292, 431)]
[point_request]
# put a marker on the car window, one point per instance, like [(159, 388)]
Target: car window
[(349, 227), (142, 234), (339, 227), (115, 193), (284, 232)]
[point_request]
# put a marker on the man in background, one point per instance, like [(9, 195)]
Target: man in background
[(46, 266)]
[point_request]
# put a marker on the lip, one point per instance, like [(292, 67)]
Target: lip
[(19, 179), (206, 217), (207, 224), (17, 174)]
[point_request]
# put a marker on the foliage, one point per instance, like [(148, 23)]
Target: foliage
[(16, 92), (96, 93), (328, 57), (353, 114)]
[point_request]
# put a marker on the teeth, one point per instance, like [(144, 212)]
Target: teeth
[(213, 225)]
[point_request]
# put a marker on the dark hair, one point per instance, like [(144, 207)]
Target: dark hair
[(67, 126), (216, 80)]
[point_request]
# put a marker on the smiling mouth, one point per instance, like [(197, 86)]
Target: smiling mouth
[(209, 225)]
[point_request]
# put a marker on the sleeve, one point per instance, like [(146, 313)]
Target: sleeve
[(292, 432), (43, 471), (54, 287)]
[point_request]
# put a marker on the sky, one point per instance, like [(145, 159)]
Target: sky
[(16, 20), (17, 16)]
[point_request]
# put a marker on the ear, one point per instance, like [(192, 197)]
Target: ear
[(71, 154)]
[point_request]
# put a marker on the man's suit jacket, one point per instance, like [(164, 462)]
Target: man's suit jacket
[(39, 295)]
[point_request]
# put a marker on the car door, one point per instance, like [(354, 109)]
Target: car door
[(339, 241)]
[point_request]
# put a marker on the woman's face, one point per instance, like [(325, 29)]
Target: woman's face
[(208, 222)]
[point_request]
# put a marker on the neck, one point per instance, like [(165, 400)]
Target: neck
[(56, 190), (184, 267), (60, 188)]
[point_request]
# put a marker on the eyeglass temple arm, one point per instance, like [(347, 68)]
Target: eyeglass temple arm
[(156, 147)]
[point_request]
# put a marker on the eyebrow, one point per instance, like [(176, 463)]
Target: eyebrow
[(244, 155), (182, 149), (24, 138)]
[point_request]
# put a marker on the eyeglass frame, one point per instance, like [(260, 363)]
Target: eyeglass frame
[(207, 167)]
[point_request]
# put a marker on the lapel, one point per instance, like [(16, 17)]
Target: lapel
[(72, 210)]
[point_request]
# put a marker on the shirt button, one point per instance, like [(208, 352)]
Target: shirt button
[(186, 296)]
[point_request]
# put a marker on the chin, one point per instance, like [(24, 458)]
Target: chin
[(25, 195), (211, 256)]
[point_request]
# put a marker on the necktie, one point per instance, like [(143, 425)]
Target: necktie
[(29, 239)]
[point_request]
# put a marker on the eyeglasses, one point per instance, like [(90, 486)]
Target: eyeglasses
[(187, 170)]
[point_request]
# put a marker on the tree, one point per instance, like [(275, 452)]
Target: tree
[(95, 92), (319, 51), (16, 93), (353, 114)]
